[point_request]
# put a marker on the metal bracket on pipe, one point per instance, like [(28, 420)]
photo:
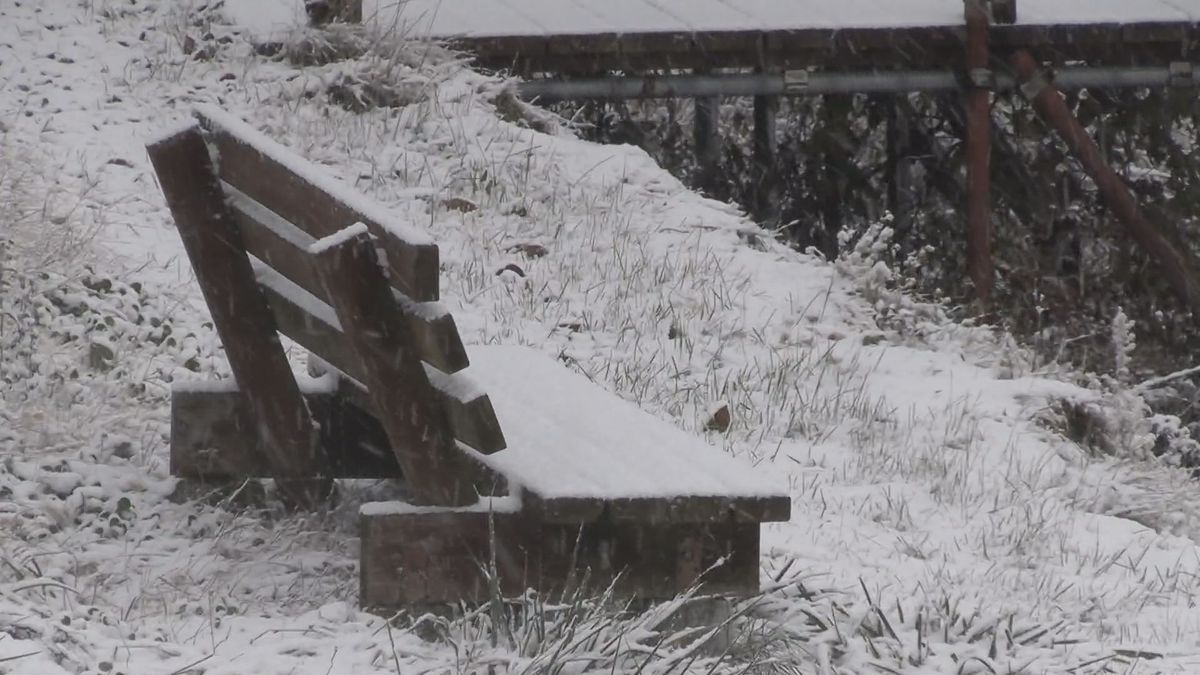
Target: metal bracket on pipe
[(1036, 84), (795, 81), (981, 78), (1181, 74)]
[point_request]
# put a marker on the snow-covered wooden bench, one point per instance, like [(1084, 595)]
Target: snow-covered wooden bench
[(513, 464)]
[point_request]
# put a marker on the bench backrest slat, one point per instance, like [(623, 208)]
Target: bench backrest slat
[(288, 185)]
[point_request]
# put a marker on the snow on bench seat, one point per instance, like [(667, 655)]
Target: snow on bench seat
[(578, 450)]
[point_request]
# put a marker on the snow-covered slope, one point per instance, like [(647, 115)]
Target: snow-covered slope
[(938, 525)]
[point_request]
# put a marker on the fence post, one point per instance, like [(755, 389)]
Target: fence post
[(978, 152)]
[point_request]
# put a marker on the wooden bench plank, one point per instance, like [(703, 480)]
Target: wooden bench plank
[(690, 509), (314, 326), (644, 561), (292, 187), (243, 322), (283, 247)]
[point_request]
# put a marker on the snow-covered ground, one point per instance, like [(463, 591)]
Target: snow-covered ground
[(940, 524)]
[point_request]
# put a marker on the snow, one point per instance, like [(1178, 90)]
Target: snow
[(311, 304), (568, 437), (430, 311), (324, 384), (921, 471), (510, 504), (268, 18), (204, 386), (169, 131), (337, 238), (461, 385)]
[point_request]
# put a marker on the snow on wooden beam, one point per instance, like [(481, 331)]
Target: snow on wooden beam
[(580, 453)]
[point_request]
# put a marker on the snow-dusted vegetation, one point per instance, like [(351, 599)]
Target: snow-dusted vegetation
[(957, 506)]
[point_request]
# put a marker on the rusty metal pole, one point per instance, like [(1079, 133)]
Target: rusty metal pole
[(1179, 267), (978, 150)]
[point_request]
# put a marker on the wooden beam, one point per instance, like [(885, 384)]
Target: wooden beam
[(391, 369), (241, 316), (419, 559), (214, 437), (267, 172), (472, 418), (1179, 266), (978, 152), (284, 247), (840, 48)]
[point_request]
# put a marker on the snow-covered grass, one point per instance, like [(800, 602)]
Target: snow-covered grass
[(943, 520)]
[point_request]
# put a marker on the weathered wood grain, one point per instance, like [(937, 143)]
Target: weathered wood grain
[(472, 421), (682, 509), (214, 437), (437, 558)]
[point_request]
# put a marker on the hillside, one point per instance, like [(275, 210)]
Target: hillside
[(943, 522)]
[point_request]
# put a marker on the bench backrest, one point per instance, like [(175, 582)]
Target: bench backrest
[(275, 206)]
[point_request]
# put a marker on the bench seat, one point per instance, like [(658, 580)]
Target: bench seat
[(577, 449)]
